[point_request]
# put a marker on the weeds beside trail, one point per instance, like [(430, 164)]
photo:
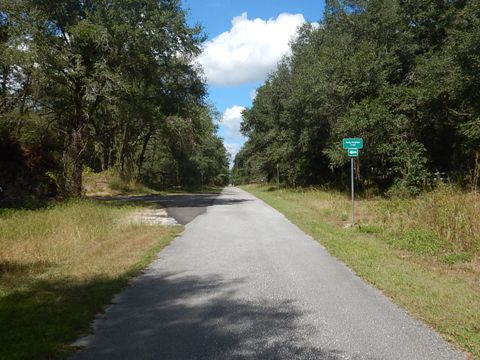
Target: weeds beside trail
[(423, 253), (60, 266), (110, 183)]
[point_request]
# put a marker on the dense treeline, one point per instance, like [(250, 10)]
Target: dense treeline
[(402, 74), (104, 84)]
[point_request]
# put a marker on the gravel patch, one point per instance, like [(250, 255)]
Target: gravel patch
[(151, 217)]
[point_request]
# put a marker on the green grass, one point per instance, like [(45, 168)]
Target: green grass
[(415, 267), (60, 266), (418, 241)]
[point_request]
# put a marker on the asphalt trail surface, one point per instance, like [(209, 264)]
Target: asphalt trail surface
[(242, 282)]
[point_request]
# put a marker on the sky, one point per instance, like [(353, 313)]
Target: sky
[(246, 39)]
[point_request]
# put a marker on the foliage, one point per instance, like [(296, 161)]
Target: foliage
[(401, 74), (108, 85)]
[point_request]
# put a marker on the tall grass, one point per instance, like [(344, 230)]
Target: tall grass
[(60, 265), (447, 218), (443, 221)]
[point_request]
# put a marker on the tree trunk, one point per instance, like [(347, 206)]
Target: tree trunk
[(141, 157), (476, 172), (103, 159), (123, 151), (77, 148)]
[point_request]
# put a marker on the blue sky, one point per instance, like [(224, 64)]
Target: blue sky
[(246, 38)]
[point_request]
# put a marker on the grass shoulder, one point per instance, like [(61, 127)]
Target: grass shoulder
[(60, 265), (430, 271)]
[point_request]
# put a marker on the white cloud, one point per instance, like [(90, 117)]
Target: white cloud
[(233, 150), (250, 50), (253, 94), (231, 121)]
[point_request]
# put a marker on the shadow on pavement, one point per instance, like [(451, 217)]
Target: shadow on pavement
[(182, 200), (187, 317), (182, 207)]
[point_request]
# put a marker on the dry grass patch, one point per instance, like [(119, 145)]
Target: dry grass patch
[(59, 267), (109, 183), (451, 215)]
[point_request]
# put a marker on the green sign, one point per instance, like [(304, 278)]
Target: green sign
[(352, 152), (353, 143)]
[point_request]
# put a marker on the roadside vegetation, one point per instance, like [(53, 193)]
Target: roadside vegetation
[(399, 74), (423, 253), (114, 88), (59, 266), (110, 183)]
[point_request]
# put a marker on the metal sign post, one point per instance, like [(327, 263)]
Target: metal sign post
[(353, 145), (353, 191), (202, 172)]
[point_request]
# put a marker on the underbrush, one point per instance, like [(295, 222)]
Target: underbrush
[(109, 182), (60, 265), (443, 222)]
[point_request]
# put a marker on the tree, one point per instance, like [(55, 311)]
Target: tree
[(110, 81), (400, 74), (91, 54)]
